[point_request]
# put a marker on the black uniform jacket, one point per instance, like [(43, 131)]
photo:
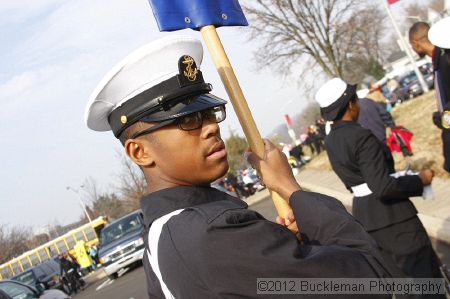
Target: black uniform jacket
[(217, 248), (441, 65), (358, 157)]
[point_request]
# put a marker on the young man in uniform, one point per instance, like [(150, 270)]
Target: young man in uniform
[(439, 50), (201, 242), (381, 201)]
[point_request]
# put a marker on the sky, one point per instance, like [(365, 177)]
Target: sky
[(52, 55)]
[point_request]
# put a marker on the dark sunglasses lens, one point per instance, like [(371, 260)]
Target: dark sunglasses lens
[(216, 114), (190, 122), (195, 120)]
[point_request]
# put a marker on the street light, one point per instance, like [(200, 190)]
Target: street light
[(83, 206)]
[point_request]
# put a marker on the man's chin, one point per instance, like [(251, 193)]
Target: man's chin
[(221, 172)]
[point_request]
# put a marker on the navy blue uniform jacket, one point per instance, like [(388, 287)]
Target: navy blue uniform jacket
[(217, 248)]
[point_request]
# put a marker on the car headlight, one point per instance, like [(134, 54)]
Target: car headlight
[(105, 259), (139, 242)]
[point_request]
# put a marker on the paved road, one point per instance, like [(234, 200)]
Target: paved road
[(132, 284)]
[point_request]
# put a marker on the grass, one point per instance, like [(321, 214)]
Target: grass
[(415, 115)]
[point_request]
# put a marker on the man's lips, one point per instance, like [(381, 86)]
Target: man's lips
[(217, 151)]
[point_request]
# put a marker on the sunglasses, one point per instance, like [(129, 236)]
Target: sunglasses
[(189, 122)]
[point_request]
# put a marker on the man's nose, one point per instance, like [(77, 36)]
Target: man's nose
[(210, 128)]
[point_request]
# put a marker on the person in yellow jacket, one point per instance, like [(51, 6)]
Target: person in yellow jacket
[(83, 258)]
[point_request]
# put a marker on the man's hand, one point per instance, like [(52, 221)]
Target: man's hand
[(274, 170), (426, 176), (290, 223)]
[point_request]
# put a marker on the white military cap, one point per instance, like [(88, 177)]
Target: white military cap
[(439, 34), (157, 82), (362, 93), (333, 96)]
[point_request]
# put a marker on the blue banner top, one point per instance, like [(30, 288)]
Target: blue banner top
[(174, 15)]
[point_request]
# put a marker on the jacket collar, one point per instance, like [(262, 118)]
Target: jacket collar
[(436, 57), (162, 202)]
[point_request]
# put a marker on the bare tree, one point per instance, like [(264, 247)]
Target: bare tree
[(91, 189), (108, 205), (360, 40), (132, 183), (437, 5), (13, 242), (101, 203), (314, 33), (414, 13)]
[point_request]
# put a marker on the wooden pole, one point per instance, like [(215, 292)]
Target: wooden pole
[(237, 98)]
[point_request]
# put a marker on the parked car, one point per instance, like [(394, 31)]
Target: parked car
[(10, 289), (47, 273), (410, 83), (395, 96), (121, 243)]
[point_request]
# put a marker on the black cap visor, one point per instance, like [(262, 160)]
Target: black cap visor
[(331, 112), (184, 107)]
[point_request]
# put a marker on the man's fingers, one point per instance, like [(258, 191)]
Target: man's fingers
[(290, 216), (268, 145), (253, 159), (279, 220)]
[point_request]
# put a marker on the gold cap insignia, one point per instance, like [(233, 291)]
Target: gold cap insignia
[(123, 119), (190, 71)]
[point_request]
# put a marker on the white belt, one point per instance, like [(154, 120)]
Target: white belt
[(361, 190)]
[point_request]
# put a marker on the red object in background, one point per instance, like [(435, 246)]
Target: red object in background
[(390, 2), (400, 141), (288, 120)]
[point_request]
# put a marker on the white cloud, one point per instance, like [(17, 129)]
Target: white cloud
[(86, 25), (18, 11)]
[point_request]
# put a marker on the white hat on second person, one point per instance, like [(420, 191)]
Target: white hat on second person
[(439, 34), (333, 96)]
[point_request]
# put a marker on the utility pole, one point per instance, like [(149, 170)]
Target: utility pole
[(407, 48), (83, 206)]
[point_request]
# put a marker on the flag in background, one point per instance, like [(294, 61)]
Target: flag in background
[(288, 120), (174, 15), (392, 1)]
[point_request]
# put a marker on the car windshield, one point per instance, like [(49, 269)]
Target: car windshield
[(26, 278), (121, 228), (408, 80)]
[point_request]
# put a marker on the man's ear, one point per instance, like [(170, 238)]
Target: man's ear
[(416, 45), (139, 152)]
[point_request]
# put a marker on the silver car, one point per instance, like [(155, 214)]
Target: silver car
[(15, 290)]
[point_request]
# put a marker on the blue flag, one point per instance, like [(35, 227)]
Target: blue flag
[(174, 15)]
